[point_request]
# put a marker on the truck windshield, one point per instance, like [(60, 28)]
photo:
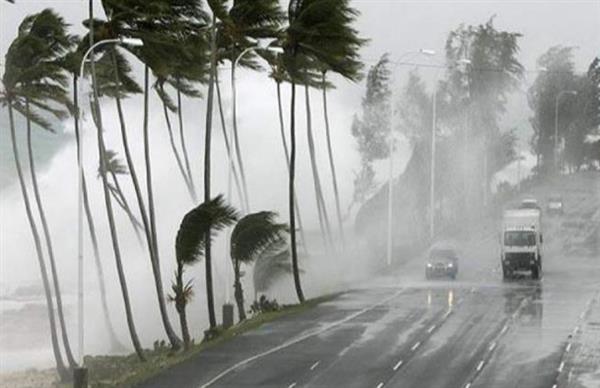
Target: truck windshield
[(519, 238)]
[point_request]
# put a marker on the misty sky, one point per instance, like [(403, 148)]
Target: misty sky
[(392, 26)]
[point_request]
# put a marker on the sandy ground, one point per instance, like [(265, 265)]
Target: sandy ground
[(29, 379)]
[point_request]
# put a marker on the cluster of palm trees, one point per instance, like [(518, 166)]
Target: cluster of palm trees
[(184, 44)]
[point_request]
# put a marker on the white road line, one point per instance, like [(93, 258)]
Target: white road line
[(472, 289), (447, 314), (582, 315), (398, 365), (314, 365), (568, 348), (415, 346), (292, 385), (379, 385), (561, 366), (298, 339), (468, 385), (575, 330), (555, 386), (492, 346), (504, 329), (432, 328), (480, 365)]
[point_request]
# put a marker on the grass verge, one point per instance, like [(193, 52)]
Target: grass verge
[(127, 371)]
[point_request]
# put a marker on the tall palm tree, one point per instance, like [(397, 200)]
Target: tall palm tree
[(34, 78), (198, 226), (279, 76), (18, 73), (255, 235), (313, 25), (70, 62)]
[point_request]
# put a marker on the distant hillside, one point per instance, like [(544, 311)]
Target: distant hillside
[(45, 146)]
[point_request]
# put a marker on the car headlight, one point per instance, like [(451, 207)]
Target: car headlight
[(450, 265), (429, 265)]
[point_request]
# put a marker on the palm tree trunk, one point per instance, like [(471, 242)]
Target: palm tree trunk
[(287, 162), (155, 259), (115, 241), (175, 341), (176, 153), (291, 201), (124, 204), (60, 366), (180, 302), (48, 239), (207, 143), (332, 164), (236, 141), (186, 158), (236, 179), (239, 292), (323, 218)]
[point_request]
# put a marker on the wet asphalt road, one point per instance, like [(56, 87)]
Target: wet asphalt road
[(403, 331)]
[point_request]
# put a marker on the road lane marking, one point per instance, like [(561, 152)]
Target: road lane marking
[(504, 329), (292, 385), (568, 348), (493, 346), (575, 330), (415, 346), (379, 385), (472, 289), (468, 385), (298, 339), (398, 365), (582, 315), (314, 365), (432, 328), (480, 365), (561, 366), (447, 314)]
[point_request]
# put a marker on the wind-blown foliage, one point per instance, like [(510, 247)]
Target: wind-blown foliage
[(35, 86), (198, 227), (255, 235)]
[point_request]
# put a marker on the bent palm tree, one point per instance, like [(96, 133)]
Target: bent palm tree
[(254, 236), (34, 78), (198, 226), (313, 24)]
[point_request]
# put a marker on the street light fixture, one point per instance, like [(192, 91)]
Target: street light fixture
[(135, 42), (558, 96)]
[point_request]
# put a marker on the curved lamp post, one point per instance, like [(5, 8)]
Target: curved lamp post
[(123, 41)]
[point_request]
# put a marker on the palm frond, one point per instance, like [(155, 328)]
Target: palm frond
[(256, 234), (200, 224)]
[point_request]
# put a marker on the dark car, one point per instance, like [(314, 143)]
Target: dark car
[(442, 262), (555, 205), (529, 203)]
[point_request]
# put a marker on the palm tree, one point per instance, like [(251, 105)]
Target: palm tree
[(19, 72), (254, 236), (279, 76), (313, 25), (37, 80), (198, 226)]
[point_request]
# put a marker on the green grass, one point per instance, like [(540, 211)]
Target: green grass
[(127, 371)]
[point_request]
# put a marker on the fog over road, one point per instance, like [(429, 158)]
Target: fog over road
[(400, 330)]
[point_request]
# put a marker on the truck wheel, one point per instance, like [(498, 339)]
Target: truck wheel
[(535, 272)]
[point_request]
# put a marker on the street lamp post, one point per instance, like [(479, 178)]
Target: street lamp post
[(558, 96), (123, 41)]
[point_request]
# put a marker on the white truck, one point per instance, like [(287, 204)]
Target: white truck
[(522, 241)]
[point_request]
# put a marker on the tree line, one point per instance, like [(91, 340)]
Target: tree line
[(184, 44)]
